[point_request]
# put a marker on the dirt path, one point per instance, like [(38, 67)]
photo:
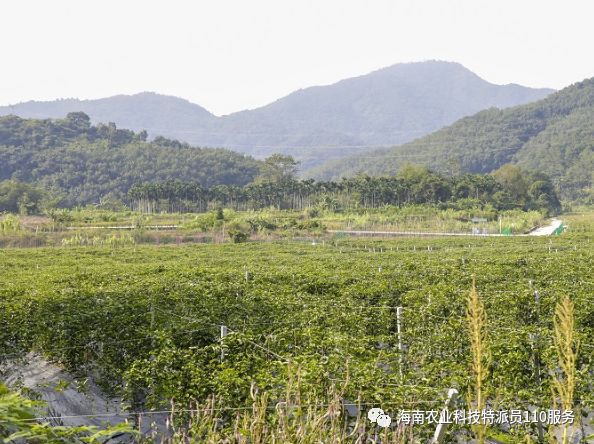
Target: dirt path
[(68, 404), (547, 230), (59, 390)]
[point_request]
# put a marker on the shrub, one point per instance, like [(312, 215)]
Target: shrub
[(260, 224), (238, 232)]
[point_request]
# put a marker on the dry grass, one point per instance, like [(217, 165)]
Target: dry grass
[(566, 347), (477, 321), (292, 420)]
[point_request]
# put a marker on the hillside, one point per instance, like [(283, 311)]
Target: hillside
[(386, 107), (82, 163), (554, 136), (160, 115)]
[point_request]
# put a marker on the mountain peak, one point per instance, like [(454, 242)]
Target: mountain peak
[(551, 136), (432, 66), (389, 106)]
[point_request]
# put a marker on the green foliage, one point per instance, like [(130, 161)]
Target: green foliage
[(389, 106), (277, 168), (21, 198), (205, 222), (60, 215), (413, 185), (113, 240), (553, 136), (18, 424), (261, 223), (238, 231), (85, 164), (146, 320), (10, 224), (140, 222)]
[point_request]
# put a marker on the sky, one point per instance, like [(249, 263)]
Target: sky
[(229, 55)]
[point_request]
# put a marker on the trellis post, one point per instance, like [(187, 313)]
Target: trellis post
[(224, 333), (399, 332), (442, 427), (535, 349)]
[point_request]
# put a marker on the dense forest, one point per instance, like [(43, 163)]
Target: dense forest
[(80, 163), (66, 162), (554, 136), (508, 188)]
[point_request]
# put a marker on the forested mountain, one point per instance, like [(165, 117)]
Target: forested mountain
[(66, 162), (82, 163), (554, 136), (157, 114), (386, 107)]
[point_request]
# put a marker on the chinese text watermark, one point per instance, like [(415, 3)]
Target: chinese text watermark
[(486, 416)]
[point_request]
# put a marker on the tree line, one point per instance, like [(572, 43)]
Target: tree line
[(69, 162), (554, 135), (507, 188)]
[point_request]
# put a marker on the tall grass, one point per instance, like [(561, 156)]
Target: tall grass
[(10, 224), (293, 419), (113, 240), (566, 348), (480, 358)]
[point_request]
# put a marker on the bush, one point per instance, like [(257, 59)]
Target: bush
[(260, 224), (313, 212), (60, 216), (203, 222), (238, 232), (309, 225)]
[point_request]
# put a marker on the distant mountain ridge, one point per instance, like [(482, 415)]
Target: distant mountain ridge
[(159, 115), (386, 107), (554, 136)]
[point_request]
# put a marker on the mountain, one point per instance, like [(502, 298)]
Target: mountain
[(386, 107), (554, 136), (83, 164), (160, 115)]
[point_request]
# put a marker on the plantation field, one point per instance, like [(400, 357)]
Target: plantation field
[(97, 227), (308, 323)]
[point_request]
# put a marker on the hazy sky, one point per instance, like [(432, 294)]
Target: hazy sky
[(231, 55)]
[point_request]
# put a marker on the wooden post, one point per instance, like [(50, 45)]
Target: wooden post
[(442, 427)]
